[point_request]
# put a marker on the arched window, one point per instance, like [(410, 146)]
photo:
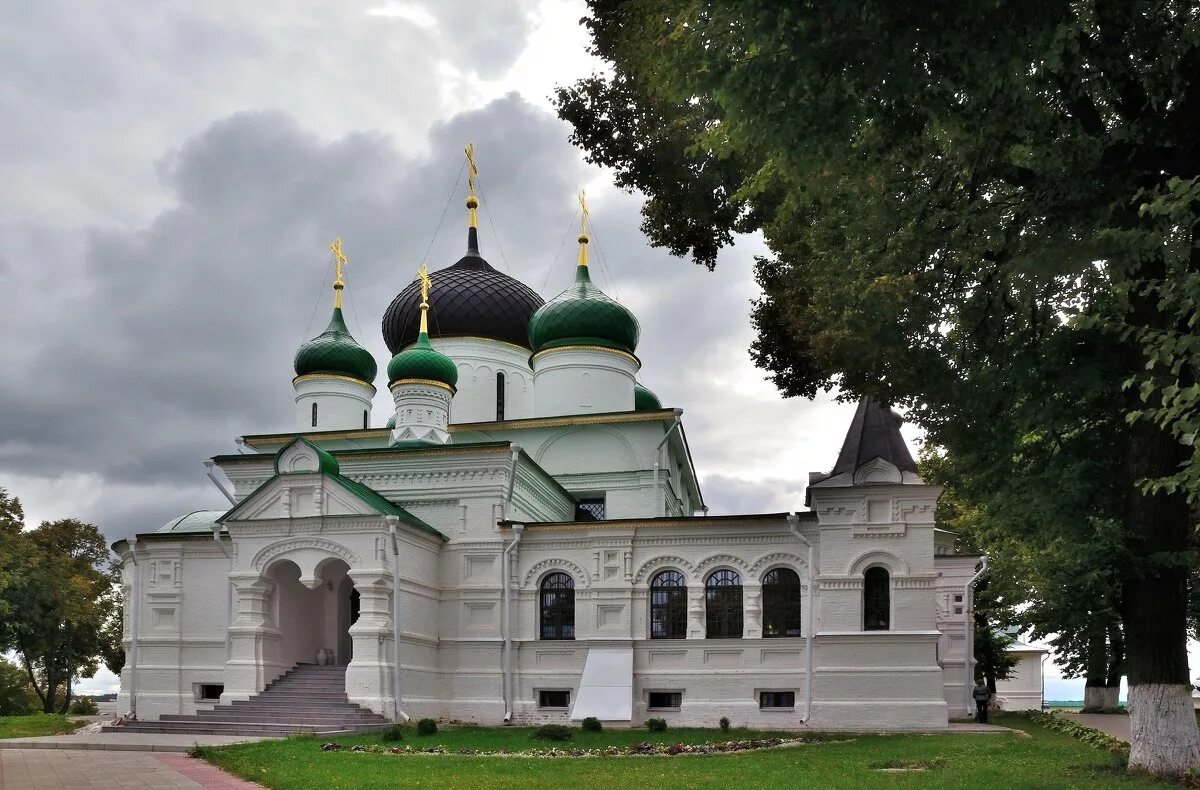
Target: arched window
[(364, 419), (558, 606), (877, 600), (668, 606), (781, 603), (723, 605), (499, 396), (314, 420)]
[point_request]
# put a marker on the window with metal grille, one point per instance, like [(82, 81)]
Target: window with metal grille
[(664, 699), (668, 606), (877, 600), (558, 607), (590, 509), (499, 396), (314, 415), (554, 699), (723, 605), (777, 699), (781, 603)]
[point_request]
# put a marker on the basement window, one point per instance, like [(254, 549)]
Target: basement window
[(554, 699), (777, 699), (209, 692), (664, 700)]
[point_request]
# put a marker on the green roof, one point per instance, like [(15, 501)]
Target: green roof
[(422, 361), (335, 351), (644, 399), (583, 315), (196, 521), (325, 461)]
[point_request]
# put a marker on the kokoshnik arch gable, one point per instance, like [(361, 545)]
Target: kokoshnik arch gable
[(527, 541)]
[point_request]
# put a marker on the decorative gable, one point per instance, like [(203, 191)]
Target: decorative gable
[(299, 495)]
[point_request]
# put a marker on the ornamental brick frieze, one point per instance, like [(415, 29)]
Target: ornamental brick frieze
[(915, 582), (676, 563), (265, 555), (778, 558), (718, 560), (582, 578), (839, 583)]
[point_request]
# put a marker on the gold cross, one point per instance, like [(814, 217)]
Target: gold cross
[(583, 218), (339, 257), (423, 276), (472, 170)]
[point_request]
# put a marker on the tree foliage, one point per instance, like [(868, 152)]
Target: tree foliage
[(60, 595), (986, 212)]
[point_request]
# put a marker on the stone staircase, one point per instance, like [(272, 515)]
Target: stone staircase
[(308, 698)]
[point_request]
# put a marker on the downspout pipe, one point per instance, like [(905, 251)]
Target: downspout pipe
[(208, 466), (506, 585), (811, 616), (660, 506), (517, 529), (216, 531), (393, 522), (968, 636), (135, 615)]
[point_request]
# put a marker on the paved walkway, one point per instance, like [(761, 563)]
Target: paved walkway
[(122, 741), (65, 769), (1114, 724)]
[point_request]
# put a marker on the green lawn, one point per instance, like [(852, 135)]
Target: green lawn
[(34, 725), (1032, 758)]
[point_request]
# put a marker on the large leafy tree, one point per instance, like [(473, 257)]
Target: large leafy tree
[(972, 207), (60, 597)]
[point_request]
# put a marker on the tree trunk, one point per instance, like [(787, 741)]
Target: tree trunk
[(1097, 666), (1165, 739)]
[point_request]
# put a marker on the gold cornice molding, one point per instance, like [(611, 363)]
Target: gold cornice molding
[(424, 382), (618, 352), (336, 377)]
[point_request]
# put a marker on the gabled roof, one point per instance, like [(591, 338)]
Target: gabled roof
[(874, 433), (327, 466)]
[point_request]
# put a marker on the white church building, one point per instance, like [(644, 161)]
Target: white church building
[(526, 541)]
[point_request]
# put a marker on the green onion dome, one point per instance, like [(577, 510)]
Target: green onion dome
[(391, 423), (335, 351), (583, 315), (644, 399), (422, 361)]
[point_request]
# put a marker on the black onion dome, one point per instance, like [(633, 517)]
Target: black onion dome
[(469, 299)]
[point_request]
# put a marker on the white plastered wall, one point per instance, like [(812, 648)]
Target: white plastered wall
[(341, 402), (479, 360), (583, 380)]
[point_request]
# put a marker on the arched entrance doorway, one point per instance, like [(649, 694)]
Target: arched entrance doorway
[(310, 620)]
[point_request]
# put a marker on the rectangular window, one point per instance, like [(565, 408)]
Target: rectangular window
[(958, 599), (554, 699), (777, 699), (590, 509), (209, 692), (665, 699)]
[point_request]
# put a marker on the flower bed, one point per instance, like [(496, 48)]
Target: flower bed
[(643, 749)]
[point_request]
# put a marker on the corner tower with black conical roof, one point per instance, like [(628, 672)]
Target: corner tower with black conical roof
[(334, 374), (583, 347), (478, 317)]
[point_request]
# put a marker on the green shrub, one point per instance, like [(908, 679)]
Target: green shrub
[(592, 724), (553, 732), (724, 723), (391, 733), (656, 725), (427, 727), (83, 706)]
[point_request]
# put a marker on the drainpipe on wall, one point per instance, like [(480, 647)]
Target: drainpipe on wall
[(968, 639), (517, 529), (794, 523), (660, 505), (208, 466), (216, 531), (135, 615), (392, 521)]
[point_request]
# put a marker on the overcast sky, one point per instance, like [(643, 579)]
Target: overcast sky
[(172, 173)]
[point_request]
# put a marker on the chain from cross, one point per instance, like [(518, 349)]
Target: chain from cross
[(583, 217), (472, 170)]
